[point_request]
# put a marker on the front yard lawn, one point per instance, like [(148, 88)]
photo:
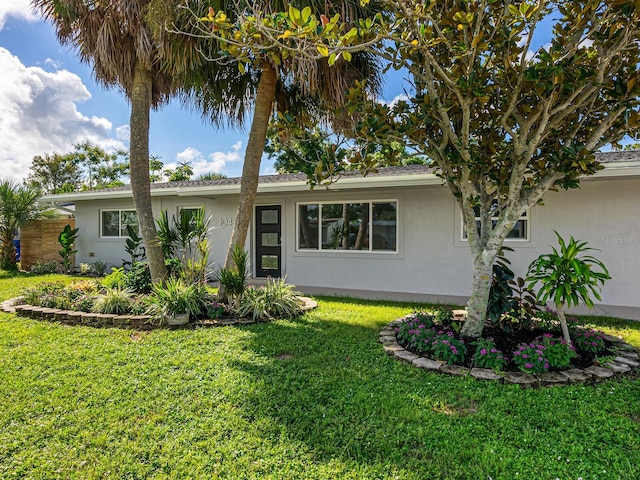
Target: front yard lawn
[(312, 398)]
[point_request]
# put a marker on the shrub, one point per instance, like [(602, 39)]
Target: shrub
[(276, 299), (530, 358), (84, 303), (213, 309), (589, 341), (557, 352), (445, 347), (66, 239), (99, 267), (115, 300), (234, 280), (85, 269), (83, 286), (41, 268), (36, 294), (488, 356), (116, 279), (174, 298), (443, 315), (138, 278), (416, 332)]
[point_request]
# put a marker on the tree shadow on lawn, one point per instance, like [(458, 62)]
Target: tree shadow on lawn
[(330, 385)]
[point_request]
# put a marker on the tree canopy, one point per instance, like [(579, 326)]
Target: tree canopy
[(503, 116)]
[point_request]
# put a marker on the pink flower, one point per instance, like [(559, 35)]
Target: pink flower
[(528, 365), (483, 351)]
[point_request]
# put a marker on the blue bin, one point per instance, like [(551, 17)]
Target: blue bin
[(16, 243)]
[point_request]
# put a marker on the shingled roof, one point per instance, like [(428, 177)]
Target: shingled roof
[(607, 158)]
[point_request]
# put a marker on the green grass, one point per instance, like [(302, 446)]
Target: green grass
[(314, 398)]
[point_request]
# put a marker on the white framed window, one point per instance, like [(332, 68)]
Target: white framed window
[(519, 232), (113, 223), (365, 226)]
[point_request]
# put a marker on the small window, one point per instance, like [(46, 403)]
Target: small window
[(114, 222), (520, 230), (190, 214), (357, 226)]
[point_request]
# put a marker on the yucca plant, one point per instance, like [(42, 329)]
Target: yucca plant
[(567, 278)]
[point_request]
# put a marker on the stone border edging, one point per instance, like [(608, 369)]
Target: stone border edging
[(134, 322), (626, 362)]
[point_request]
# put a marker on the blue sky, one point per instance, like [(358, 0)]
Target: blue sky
[(49, 102)]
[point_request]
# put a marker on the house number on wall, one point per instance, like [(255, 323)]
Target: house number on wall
[(226, 222)]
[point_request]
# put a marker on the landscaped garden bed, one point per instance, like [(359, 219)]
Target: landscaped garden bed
[(533, 356)]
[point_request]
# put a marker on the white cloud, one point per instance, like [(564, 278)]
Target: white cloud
[(123, 132), (20, 9), (39, 114), (398, 98), (55, 64), (216, 162)]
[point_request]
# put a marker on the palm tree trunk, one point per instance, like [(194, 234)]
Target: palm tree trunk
[(265, 96), (139, 168)]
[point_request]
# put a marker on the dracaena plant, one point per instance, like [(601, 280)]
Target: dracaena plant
[(568, 277)]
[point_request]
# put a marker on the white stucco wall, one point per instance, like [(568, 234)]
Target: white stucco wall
[(432, 262)]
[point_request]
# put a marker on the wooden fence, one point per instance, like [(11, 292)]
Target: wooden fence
[(39, 241)]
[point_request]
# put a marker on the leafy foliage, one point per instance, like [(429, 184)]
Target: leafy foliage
[(66, 239), (487, 355), (234, 279), (501, 294), (18, 205), (588, 340), (276, 299), (568, 277), (184, 243), (138, 278), (117, 300), (115, 279), (503, 123), (41, 268), (133, 246), (175, 297)]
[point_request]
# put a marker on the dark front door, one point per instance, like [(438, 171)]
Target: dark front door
[(268, 245)]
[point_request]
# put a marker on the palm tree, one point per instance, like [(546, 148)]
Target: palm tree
[(115, 39), (18, 205), (262, 88)]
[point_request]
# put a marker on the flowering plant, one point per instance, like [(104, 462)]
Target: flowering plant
[(445, 347), (214, 309), (530, 358), (588, 340), (557, 351), (488, 356), (416, 333)]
